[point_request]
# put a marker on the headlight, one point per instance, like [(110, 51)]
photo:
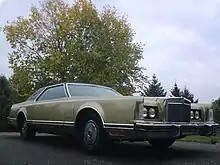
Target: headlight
[(145, 113), (191, 114), (210, 117), (197, 114), (152, 113)]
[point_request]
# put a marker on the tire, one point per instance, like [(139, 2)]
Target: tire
[(161, 143), (92, 134), (26, 133)]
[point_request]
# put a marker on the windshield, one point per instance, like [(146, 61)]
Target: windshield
[(87, 90)]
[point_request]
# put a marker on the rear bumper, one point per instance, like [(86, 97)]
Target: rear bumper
[(146, 131), (175, 130)]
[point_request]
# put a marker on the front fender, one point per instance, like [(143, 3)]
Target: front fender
[(24, 111), (95, 106)]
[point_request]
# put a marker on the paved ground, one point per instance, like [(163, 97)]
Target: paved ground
[(56, 150)]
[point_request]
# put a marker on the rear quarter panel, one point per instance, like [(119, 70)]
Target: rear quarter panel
[(49, 110)]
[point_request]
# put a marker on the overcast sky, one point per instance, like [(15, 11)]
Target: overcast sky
[(182, 39)]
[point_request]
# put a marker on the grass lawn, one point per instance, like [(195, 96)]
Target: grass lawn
[(202, 139)]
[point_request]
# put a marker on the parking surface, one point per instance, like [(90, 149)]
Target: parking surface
[(55, 150)]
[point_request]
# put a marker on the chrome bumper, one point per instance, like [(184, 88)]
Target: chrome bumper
[(175, 130)]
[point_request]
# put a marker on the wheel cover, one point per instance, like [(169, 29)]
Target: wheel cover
[(24, 128), (90, 133)]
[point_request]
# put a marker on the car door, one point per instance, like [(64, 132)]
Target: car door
[(47, 107)]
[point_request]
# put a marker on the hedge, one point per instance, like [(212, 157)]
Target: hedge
[(5, 127)]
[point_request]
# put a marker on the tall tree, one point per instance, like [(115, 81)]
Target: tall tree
[(154, 89), (5, 97), (216, 109), (62, 42), (186, 93), (175, 91)]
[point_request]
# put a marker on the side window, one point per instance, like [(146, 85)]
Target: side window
[(53, 93), (86, 90), (35, 94)]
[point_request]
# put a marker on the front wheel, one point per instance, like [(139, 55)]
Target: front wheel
[(161, 143), (26, 132), (92, 134)]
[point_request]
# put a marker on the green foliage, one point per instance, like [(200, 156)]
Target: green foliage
[(154, 89), (185, 93), (175, 91), (5, 97), (62, 42), (6, 100), (202, 139), (20, 85), (216, 109)]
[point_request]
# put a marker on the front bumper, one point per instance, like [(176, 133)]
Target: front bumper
[(175, 130)]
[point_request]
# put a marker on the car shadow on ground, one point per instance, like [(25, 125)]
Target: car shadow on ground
[(126, 152)]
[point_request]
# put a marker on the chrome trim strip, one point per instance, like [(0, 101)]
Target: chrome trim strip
[(175, 124), (51, 86), (187, 100), (67, 89), (68, 125), (118, 124), (11, 118), (98, 86), (64, 87), (23, 113), (210, 125), (69, 122), (49, 122), (158, 125), (39, 94), (163, 97), (45, 121), (176, 103), (170, 103), (94, 110), (120, 128)]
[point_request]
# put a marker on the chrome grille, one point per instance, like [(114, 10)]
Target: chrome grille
[(177, 110)]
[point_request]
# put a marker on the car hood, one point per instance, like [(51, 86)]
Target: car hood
[(201, 105), (161, 100)]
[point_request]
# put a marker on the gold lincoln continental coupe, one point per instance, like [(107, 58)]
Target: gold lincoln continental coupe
[(97, 114)]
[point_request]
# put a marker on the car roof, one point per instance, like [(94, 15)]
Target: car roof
[(86, 84), (42, 89)]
